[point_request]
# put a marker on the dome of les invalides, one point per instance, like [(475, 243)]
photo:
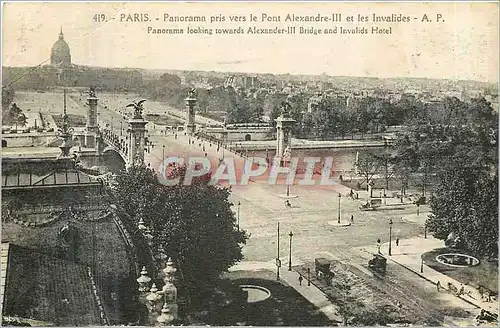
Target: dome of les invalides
[(60, 54)]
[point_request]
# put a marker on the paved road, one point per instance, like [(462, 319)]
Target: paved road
[(310, 218)]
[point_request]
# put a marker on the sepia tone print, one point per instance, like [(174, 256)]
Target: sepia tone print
[(249, 164)]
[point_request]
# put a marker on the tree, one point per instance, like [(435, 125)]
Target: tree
[(368, 165), (194, 224), (466, 204), (16, 116), (7, 96)]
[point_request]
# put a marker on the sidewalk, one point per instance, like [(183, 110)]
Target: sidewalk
[(311, 293), (408, 254)]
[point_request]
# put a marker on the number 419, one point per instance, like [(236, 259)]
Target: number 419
[(99, 18)]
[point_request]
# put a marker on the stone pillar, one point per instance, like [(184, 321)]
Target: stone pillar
[(284, 124), (191, 113), (92, 125), (136, 141)]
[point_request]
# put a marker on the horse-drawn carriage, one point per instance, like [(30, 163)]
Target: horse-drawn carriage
[(322, 267), (378, 264), (372, 204)]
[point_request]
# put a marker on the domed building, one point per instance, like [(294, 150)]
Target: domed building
[(60, 55)]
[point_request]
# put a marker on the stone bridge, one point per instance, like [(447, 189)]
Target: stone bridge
[(113, 142)]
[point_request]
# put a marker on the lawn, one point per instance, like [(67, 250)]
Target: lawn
[(285, 307), (485, 274)]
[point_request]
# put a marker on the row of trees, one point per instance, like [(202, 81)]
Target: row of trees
[(461, 147), (455, 146)]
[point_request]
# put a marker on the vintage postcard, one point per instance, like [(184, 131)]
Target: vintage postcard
[(249, 163)]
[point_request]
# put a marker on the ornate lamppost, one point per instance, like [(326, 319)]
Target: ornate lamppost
[(278, 261), (238, 217), (290, 261), (338, 219)]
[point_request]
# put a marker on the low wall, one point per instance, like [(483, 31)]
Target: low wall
[(241, 134), (28, 139)]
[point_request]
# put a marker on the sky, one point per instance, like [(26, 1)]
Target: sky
[(463, 45)]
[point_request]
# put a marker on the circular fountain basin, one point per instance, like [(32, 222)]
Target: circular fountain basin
[(457, 260), (256, 293)]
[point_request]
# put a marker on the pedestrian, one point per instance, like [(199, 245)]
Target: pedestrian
[(438, 286), (397, 241), (352, 218), (357, 196), (462, 290), (378, 245), (300, 279)]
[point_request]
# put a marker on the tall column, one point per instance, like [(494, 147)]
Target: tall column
[(65, 132), (191, 112), (284, 124), (92, 125), (136, 138)]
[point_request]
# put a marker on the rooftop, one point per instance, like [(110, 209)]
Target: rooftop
[(56, 178), (46, 288)]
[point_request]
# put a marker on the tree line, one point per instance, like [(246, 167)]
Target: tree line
[(454, 144)]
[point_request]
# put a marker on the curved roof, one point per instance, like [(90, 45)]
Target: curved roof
[(60, 53), (60, 47)]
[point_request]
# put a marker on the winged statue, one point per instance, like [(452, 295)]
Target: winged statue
[(285, 108), (138, 108)]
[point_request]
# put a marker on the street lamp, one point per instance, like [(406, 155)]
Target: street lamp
[(338, 220), (163, 152), (425, 229), (278, 262), (390, 237), (121, 128), (238, 224), (290, 262)]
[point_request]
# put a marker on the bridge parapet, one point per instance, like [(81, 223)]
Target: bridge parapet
[(116, 142)]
